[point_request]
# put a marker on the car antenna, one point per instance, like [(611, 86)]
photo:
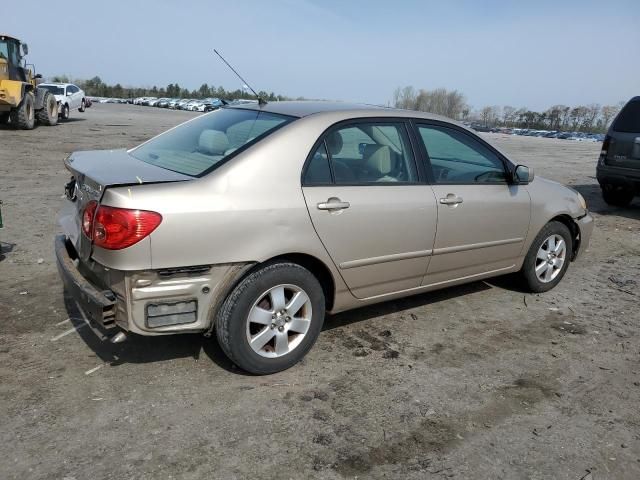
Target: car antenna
[(261, 101)]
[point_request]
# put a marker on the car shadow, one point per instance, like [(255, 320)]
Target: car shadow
[(138, 349), (402, 304), (141, 349), (596, 204), (71, 120)]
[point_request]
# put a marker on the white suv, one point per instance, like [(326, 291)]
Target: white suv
[(68, 96)]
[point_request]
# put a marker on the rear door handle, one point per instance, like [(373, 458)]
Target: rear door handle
[(333, 204), (451, 199)]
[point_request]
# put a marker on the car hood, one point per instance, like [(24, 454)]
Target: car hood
[(59, 98)]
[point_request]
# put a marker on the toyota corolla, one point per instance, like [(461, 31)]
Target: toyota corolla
[(253, 221)]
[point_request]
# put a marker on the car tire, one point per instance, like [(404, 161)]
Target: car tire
[(617, 196), (260, 317), (82, 106), (547, 260), (4, 118), (64, 112), (24, 116), (48, 114)]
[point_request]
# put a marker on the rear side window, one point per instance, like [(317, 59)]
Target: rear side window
[(197, 147), (628, 119), (371, 152), (318, 171)]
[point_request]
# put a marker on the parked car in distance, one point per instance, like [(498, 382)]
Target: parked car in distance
[(254, 220), (68, 96), (618, 169)]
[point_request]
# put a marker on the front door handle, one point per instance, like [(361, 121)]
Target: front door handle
[(333, 203), (451, 199)]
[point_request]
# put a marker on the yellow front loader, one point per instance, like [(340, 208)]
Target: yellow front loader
[(22, 103)]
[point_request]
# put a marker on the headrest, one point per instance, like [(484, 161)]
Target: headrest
[(334, 143), (378, 157), (213, 142)]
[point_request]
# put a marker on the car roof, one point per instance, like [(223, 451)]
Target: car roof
[(304, 108), (56, 84)]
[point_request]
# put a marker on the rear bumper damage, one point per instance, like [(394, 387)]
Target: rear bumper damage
[(150, 302)]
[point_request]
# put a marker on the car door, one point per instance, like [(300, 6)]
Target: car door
[(482, 218), (372, 212)]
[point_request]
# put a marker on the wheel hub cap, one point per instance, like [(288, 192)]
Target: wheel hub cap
[(278, 321), (550, 258)]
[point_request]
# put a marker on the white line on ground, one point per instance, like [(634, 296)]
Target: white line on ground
[(89, 372), (67, 332), (63, 321)]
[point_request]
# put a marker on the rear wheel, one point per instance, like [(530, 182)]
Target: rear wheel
[(48, 115), (548, 257), (64, 112), (617, 196), (272, 318), (23, 117)]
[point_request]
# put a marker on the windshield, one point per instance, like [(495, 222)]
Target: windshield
[(56, 90), (197, 147)]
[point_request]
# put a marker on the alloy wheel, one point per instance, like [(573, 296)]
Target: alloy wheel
[(550, 258), (278, 321)]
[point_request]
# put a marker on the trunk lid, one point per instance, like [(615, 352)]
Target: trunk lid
[(92, 173)]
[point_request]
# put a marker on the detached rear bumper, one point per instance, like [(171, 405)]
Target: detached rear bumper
[(98, 305), (149, 302)]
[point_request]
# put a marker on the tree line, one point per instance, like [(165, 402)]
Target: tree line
[(95, 87), (452, 103)]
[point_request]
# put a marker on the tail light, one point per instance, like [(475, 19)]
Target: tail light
[(605, 149), (87, 217), (117, 228)]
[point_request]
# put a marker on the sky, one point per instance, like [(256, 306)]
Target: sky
[(526, 54)]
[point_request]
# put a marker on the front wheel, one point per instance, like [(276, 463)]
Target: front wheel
[(64, 112), (82, 106), (272, 318), (548, 257)]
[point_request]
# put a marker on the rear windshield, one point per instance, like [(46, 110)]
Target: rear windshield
[(628, 119), (197, 147)]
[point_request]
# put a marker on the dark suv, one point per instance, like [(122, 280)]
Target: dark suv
[(618, 168)]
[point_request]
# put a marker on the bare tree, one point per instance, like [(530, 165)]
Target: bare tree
[(508, 115), (607, 113)]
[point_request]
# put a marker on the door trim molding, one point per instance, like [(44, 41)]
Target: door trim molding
[(385, 259), (474, 246)]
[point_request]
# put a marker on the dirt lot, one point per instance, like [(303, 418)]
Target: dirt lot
[(480, 381)]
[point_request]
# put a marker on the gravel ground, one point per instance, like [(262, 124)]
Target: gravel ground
[(479, 381)]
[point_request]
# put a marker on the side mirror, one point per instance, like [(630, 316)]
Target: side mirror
[(523, 175), (25, 49), (69, 93)]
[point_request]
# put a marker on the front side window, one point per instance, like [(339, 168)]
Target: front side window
[(458, 158), (197, 147), (371, 152)]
